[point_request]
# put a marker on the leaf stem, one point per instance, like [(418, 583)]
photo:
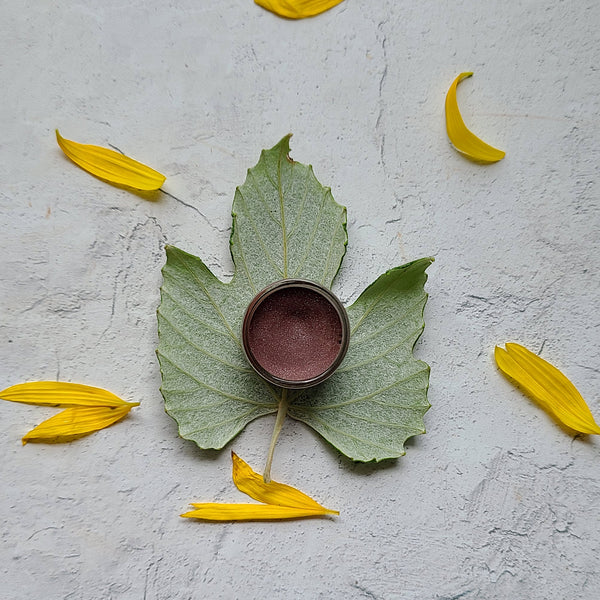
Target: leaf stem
[(281, 412)]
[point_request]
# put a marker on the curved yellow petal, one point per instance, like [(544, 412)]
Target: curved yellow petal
[(281, 501), (56, 393), (250, 512), (547, 385), (111, 166), (462, 138), (251, 483), (298, 9), (75, 422)]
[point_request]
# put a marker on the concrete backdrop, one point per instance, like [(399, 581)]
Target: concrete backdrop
[(496, 500)]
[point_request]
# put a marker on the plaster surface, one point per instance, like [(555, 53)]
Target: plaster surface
[(496, 501)]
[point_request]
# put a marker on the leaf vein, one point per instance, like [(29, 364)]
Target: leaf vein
[(282, 211), (243, 259), (313, 234), (389, 325), (262, 198), (258, 236), (330, 251), (374, 303), (365, 397), (242, 417), (204, 351), (207, 386), (302, 205), (192, 316), (346, 434), (372, 359), (377, 422), (210, 298)]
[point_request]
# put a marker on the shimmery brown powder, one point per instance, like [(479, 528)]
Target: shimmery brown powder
[(295, 334)]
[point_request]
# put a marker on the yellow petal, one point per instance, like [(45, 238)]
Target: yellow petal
[(282, 501), (298, 9), (75, 422), (462, 138), (278, 494), (547, 385), (55, 393), (250, 512), (111, 166)]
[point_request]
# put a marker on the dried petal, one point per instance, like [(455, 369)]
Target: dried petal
[(75, 422), (462, 138), (249, 512), (298, 9), (111, 166), (251, 483), (547, 385), (55, 393)]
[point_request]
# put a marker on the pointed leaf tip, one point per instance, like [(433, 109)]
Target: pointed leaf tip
[(464, 140), (281, 147), (111, 166), (552, 390)]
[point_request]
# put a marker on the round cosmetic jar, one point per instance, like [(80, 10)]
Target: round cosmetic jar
[(295, 333)]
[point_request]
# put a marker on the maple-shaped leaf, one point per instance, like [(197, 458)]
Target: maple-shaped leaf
[(287, 225)]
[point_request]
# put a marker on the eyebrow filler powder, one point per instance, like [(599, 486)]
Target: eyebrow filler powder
[(295, 333)]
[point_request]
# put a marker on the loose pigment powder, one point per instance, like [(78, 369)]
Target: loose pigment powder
[(295, 334)]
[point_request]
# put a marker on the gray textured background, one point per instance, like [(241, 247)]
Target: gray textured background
[(496, 501)]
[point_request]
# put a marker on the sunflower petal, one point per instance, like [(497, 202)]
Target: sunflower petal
[(250, 512), (56, 393), (547, 385), (281, 501), (75, 422), (111, 166), (462, 138), (298, 9), (273, 493)]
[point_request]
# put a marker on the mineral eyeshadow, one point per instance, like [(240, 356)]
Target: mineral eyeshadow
[(295, 334)]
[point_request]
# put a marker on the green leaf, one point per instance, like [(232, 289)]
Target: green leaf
[(378, 396), (209, 388), (286, 224)]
